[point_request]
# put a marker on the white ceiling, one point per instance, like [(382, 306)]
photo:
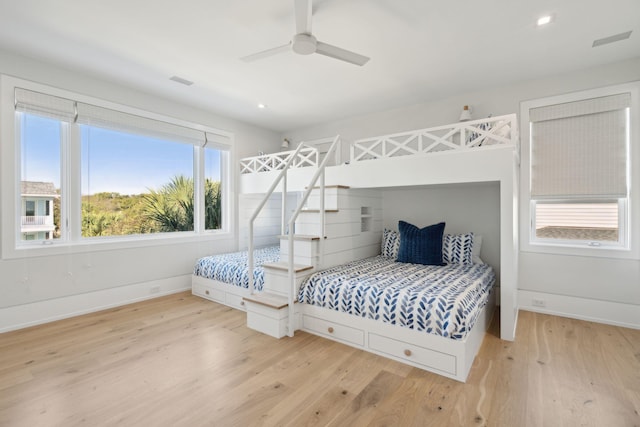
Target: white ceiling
[(421, 50)]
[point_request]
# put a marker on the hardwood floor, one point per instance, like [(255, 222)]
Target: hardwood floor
[(183, 361)]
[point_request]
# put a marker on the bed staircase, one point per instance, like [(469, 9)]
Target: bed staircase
[(302, 239)]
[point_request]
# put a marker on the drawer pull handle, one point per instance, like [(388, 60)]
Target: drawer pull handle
[(241, 302), (330, 329), (206, 292), (407, 352)]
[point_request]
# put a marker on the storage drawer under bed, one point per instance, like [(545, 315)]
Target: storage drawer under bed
[(334, 330), (431, 359)]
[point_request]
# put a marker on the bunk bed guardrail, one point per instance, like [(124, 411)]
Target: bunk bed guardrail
[(306, 156), (318, 175), (282, 177), (483, 133)]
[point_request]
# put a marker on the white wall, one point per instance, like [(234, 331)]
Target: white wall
[(465, 208), (601, 289), (33, 289)]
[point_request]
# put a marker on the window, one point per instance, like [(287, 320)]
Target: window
[(30, 208), (577, 164), (95, 174)]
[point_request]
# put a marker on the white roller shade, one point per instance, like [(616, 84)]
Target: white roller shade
[(92, 115), (28, 101), (106, 118), (579, 149)]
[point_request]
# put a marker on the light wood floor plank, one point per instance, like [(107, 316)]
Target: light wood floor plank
[(183, 361)]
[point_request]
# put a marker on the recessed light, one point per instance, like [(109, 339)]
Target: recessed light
[(544, 20), (262, 106), (181, 80)]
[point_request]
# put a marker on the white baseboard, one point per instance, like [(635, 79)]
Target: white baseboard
[(611, 313), (22, 316)]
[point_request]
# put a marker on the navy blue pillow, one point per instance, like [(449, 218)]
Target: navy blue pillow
[(421, 245)]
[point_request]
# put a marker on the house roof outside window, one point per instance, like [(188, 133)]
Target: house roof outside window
[(35, 188)]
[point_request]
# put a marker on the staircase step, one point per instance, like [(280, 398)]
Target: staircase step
[(318, 210), (301, 237), (341, 187), (267, 299), (281, 265)]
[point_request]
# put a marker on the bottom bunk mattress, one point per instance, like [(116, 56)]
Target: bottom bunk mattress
[(232, 268), (441, 300)]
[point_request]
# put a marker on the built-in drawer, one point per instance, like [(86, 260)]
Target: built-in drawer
[(413, 353), (208, 293), (235, 301), (333, 330)]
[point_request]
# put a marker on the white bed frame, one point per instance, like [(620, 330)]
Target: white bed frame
[(445, 356), (217, 291), (476, 151)]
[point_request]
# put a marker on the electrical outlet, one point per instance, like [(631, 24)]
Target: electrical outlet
[(537, 302), (154, 290)]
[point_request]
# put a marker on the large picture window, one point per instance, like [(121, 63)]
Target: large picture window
[(91, 173), (579, 168)]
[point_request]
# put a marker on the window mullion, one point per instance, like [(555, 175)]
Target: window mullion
[(198, 188), (72, 179)]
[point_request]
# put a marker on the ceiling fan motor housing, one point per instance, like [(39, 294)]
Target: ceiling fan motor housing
[(304, 44)]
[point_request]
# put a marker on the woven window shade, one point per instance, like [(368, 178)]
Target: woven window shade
[(579, 149), (28, 101), (106, 118), (69, 110)]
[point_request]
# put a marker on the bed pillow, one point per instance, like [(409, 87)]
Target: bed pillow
[(458, 248), (421, 245), (390, 244), (475, 252)]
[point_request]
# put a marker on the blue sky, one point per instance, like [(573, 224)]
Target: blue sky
[(111, 161)]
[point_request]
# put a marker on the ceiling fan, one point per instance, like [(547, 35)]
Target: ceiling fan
[(304, 43)]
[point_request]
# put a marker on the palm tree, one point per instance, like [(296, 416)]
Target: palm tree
[(212, 205), (172, 207)]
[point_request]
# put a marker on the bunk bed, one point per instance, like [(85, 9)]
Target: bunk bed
[(477, 151), (224, 278)]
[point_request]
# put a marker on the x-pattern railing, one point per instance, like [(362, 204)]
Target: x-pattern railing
[(307, 156), (458, 136)]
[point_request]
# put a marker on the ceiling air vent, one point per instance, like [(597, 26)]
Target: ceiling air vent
[(611, 39)]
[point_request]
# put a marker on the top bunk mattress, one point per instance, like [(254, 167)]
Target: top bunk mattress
[(232, 268), (441, 300)]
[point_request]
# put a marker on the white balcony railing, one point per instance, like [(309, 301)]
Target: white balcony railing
[(37, 220), (307, 156), (458, 136)]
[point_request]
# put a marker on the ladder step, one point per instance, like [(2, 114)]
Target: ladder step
[(341, 187), (268, 300), (318, 210), (281, 265), (301, 237)]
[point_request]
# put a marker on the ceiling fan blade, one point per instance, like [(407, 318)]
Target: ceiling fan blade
[(341, 54), (303, 16), (266, 53)]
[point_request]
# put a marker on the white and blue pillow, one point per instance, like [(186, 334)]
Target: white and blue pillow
[(390, 244), (455, 248), (458, 248)]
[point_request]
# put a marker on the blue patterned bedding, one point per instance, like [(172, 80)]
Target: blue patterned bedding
[(232, 268), (441, 300)]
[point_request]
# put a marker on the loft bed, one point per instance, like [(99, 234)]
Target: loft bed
[(477, 151), (224, 278)]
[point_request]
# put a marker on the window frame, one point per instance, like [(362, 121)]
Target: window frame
[(628, 246), (621, 243), (70, 208)]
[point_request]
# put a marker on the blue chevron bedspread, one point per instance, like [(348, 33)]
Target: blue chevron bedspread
[(232, 268), (445, 301)]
